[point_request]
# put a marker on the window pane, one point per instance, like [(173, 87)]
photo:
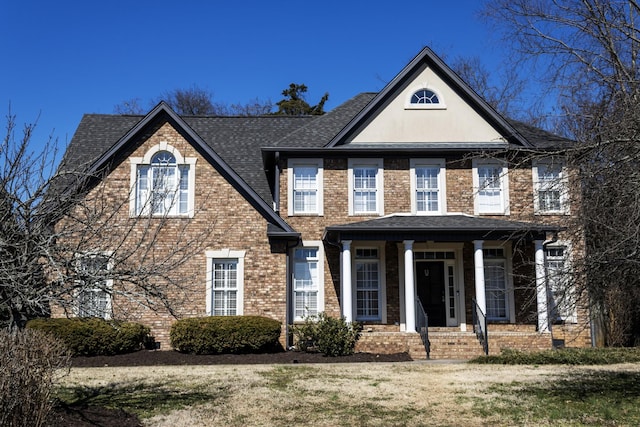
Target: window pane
[(489, 189), (305, 189), (162, 187), (364, 190), (184, 190), (495, 289), (94, 298), (306, 282), (367, 289), (225, 285), (427, 189), (561, 303)]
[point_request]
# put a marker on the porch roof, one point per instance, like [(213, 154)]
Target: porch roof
[(449, 228)]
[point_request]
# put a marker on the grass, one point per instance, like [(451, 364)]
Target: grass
[(567, 356), (603, 398), (376, 394)]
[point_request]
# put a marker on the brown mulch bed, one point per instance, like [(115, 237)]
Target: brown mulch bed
[(82, 415)]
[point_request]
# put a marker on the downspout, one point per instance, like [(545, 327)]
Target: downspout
[(276, 184)]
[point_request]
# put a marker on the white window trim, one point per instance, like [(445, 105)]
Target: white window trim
[(442, 186), (146, 160), (291, 163), (563, 186), (108, 282), (504, 184), (229, 254), (510, 295), (377, 163), (567, 246), (309, 244), (382, 293), (441, 105)]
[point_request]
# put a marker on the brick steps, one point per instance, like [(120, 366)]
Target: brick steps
[(450, 344)]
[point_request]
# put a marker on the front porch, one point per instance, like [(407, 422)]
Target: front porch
[(396, 269)]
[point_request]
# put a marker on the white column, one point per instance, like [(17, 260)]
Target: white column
[(345, 280), (409, 288), (478, 260), (541, 289)]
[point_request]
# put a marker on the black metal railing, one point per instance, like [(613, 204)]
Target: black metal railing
[(480, 327), (422, 326)]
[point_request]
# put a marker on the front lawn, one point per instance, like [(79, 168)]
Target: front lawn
[(365, 394)]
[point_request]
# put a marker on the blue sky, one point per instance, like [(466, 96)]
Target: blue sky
[(66, 58)]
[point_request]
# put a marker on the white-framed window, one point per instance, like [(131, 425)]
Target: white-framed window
[(225, 282), (425, 98), (94, 285), (366, 191), (368, 284), (305, 181), (562, 305), (428, 186), (491, 187), (162, 182), (307, 280), (550, 187), (497, 293)]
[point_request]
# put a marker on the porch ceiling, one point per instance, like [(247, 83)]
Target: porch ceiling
[(443, 228)]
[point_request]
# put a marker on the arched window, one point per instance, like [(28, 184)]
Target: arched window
[(163, 183), (425, 96)]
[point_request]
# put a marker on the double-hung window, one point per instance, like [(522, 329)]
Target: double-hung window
[(561, 297), (495, 282), (368, 284), (366, 187), (162, 183), (428, 193), (491, 187), (549, 183), (305, 183), (93, 298), (225, 282), (307, 282)]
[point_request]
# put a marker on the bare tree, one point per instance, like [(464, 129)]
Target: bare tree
[(66, 238), (585, 53), (502, 92), (199, 102)]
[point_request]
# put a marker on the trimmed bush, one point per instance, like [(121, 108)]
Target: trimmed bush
[(225, 334), (94, 337), (31, 363), (328, 335)]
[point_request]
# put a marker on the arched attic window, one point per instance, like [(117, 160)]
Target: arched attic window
[(425, 98)]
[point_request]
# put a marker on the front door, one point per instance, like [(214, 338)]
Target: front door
[(431, 291)]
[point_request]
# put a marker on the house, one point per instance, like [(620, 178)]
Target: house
[(416, 205)]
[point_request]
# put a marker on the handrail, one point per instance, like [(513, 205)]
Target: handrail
[(480, 326), (422, 326)]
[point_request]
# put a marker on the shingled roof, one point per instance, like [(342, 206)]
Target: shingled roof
[(239, 140)]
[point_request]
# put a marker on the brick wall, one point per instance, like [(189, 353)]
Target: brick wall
[(223, 220)]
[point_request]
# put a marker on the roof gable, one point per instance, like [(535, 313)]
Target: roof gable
[(162, 112), (463, 117)]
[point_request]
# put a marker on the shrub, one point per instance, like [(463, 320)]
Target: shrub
[(328, 335), (29, 367), (566, 356), (225, 334), (94, 337)]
